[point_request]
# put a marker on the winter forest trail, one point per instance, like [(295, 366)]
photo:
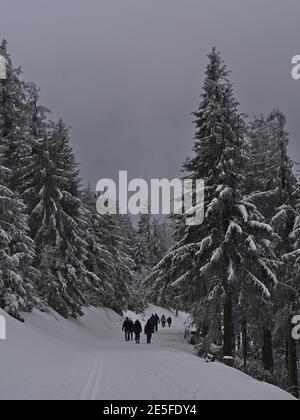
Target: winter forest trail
[(51, 358), (128, 371), (164, 370)]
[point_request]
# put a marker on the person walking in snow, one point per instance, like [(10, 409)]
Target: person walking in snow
[(157, 321), (138, 331), (169, 321), (126, 329), (163, 321), (131, 329), (153, 322), (149, 331)]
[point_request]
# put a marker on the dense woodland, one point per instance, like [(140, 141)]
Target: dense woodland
[(237, 273)]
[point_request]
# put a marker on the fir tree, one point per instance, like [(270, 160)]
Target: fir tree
[(212, 262), (276, 195), (52, 196), (100, 261), (13, 119), (17, 276)]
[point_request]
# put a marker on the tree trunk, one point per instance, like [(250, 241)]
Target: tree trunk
[(204, 330), (238, 343), (292, 363), (245, 343), (268, 360), (287, 355), (228, 329)]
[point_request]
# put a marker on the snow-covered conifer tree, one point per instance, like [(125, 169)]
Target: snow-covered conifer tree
[(52, 197), (276, 194), (210, 264), (100, 261), (17, 276), (13, 119)]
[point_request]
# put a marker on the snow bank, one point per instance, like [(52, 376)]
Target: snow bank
[(49, 357)]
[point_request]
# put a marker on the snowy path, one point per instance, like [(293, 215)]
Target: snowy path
[(51, 358), (130, 371), (166, 369)]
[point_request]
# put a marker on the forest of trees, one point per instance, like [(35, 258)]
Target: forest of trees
[(237, 274), (56, 251)]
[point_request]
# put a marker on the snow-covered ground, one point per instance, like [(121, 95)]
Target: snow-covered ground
[(49, 357)]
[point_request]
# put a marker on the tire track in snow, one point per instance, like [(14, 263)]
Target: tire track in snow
[(93, 383), (99, 371)]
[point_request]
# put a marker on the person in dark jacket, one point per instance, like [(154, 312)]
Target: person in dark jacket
[(126, 328), (149, 331), (163, 321), (138, 331), (169, 321), (131, 329), (157, 321), (153, 321)]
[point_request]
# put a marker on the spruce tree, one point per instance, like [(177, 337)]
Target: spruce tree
[(13, 119), (52, 197), (285, 220), (17, 276), (290, 304), (100, 261), (210, 264), (276, 195)]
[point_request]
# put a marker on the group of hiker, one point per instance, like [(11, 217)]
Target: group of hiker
[(134, 330)]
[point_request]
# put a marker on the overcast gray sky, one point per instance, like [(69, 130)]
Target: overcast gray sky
[(126, 74)]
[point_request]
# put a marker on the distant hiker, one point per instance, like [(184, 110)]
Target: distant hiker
[(157, 321), (169, 321), (153, 322), (149, 331), (163, 321), (126, 328), (131, 329), (138, 331)]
